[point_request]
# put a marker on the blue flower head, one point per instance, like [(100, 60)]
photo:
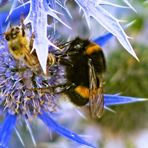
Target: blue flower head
[(21, 88)]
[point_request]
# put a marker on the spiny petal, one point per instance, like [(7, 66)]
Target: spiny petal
[(19, 11), (102, 2), (12, 8), (117, 99), (108, 21), (103, 39), (19, 137), (127, 2), (52, 13), (6, 129), (31, 133), (46, 118)]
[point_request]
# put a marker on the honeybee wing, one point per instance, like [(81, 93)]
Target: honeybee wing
[(96, 98)]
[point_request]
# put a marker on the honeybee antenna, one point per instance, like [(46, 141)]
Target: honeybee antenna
[(22, 24)]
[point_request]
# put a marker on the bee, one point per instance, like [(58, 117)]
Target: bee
[(21, 47), (84, 64)]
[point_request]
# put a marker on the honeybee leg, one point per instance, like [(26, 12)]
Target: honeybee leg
[(31, 41)]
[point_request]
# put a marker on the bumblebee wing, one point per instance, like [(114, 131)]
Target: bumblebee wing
[(96, 99)]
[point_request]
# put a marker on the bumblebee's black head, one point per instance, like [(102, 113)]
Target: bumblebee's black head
[(78, 44)]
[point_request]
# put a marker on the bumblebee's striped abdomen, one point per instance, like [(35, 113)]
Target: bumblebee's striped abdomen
[(95, 53), (79, 95)]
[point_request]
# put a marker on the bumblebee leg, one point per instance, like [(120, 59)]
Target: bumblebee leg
[(53, 89), (62, 88)]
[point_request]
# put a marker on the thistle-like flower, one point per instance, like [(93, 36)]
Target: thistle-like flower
[(21, 93)]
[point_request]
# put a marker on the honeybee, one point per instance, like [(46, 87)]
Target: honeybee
[(84, 64), (21, 47)]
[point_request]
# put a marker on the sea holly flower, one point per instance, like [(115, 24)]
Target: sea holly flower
[(20, 94), (17, 99)]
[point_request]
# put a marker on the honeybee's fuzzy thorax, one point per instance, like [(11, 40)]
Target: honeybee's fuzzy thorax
[(18, 47), (18, 42)]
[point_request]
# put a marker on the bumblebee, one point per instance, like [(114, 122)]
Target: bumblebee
[(84, 64), (21, 47)]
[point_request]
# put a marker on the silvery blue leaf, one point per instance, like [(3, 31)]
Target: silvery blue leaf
[(127, 2), (117, 99), (6, 130), (107, 20)]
